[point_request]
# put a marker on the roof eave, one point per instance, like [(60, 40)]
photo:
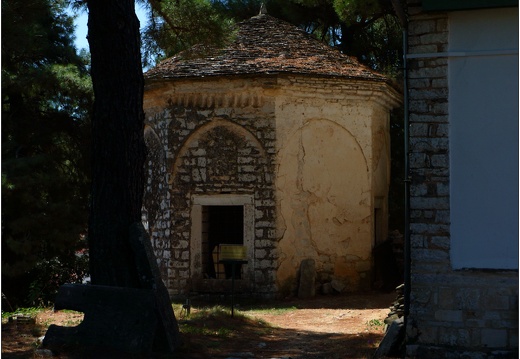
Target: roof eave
[(387, 93), (159, 79)]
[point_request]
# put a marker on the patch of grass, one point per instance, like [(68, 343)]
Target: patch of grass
[(212, 318), (193, 329), (216, 321), (375, 323), (31, 312), (215, 311), (274, 310), (72, 322), (69, 311), (218, 314), (205, 321), (210, 327)]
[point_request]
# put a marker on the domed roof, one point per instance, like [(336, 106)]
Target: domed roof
[(264, 45)]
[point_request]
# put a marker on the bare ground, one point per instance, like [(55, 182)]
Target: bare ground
[(328, 327)]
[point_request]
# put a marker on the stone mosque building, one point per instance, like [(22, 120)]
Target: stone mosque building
[(277, 144)]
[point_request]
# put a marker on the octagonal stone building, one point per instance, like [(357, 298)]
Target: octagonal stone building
[(277, 143)]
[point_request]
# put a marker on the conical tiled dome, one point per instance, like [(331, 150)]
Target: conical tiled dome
[(265, 45)]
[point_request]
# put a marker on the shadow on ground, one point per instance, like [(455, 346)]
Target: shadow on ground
[(365, 300), (210, 331)]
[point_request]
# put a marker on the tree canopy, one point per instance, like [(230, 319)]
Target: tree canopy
[(175, 25), (47, 104), (46, 96), (366, 29)]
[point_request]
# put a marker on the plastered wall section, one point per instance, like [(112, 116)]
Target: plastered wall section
[(332, 165), (312, 153)]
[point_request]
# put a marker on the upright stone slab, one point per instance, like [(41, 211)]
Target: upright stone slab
[(392, 341), (307, 287), (167, 337)]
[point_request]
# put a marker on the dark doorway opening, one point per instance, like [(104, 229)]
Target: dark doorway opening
[(221, 225)]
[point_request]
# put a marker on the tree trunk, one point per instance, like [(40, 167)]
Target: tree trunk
[(118, 147), (121, 256)]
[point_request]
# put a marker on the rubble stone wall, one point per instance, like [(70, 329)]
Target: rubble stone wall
[(218, 143)]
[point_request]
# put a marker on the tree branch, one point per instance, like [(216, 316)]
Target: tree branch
[(157, 7)]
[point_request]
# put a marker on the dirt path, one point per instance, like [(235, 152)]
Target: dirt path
[(326, 327)]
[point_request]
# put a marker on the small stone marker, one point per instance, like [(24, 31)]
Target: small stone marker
[(393, 338), (326, 288), (337, 285), (307, 287), (167, 336)]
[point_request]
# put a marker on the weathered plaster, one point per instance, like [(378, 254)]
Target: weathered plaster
[(311, 153), (328, 154), (324, 196)]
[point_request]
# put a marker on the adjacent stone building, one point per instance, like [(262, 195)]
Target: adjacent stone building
[(463, 111), (278, 143)]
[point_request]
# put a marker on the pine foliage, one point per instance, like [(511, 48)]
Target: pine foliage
[(46, 93)]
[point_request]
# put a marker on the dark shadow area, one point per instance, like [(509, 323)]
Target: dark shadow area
[(18, 340), (365, 300), (19, 353), (243, 335), (209, 331), (214, 335), (284, 343)]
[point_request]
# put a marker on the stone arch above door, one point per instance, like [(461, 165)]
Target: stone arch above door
[(217, 161), (203, 131)]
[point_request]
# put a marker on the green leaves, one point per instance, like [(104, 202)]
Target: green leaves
[(177, 25), (352, 11), (46, 101)]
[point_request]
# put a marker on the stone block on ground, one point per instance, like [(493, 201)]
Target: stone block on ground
[(326, 288), (115, 318), (134, 320), (338, 285), (307, 286)]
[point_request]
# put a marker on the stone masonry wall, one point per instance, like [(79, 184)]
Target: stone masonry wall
[(469, 313), (305, 149), (156, 201), (223, 144)]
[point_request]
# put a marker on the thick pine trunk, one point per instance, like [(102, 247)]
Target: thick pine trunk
[(118, 148), (120, 250)]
